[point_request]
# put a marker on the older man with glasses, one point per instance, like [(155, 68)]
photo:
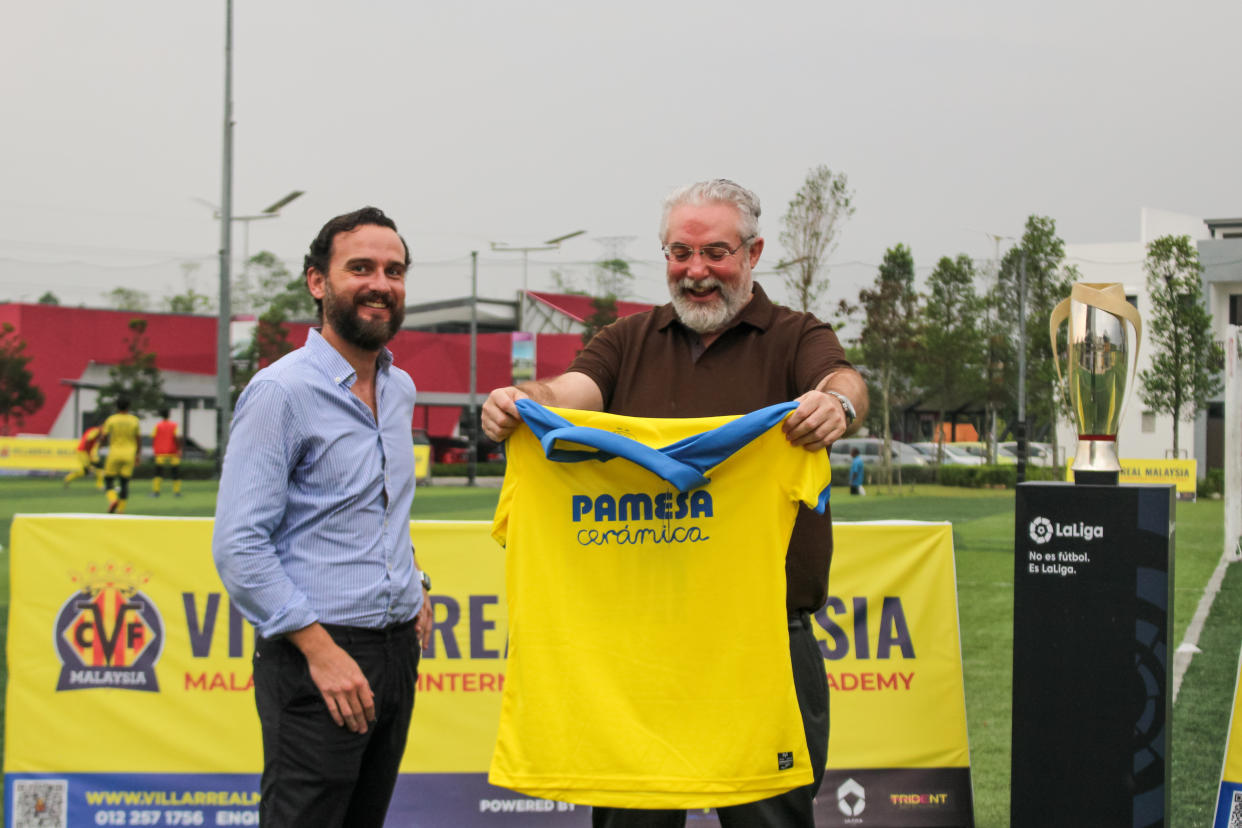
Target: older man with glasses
[(722, 347)]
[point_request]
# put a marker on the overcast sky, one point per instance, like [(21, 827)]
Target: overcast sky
[(473, 122)]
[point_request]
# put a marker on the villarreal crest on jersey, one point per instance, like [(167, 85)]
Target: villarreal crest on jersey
[(648, 637)]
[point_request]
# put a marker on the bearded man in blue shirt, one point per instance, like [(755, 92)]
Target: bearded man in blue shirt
[(312, 539)]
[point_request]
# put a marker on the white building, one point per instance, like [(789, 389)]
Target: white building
[(1143, 433)]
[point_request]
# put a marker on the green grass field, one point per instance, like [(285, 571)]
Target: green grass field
[(983, 538)]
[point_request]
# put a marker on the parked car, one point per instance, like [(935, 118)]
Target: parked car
[(1037, 454), (953, 456), (980, 450), (870, 449)]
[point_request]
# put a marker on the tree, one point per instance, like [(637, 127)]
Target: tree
[(998, 355), (266, 280), (288, 300), (811, 224), (888, 335), (951, 341), (136, 377), (604, 313), (49, 298), (1186, 360), (613, 279), (127, 299), (189, 302), (19, 396), (1038, 259)]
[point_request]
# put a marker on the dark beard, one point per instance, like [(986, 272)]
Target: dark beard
[(344, 319)]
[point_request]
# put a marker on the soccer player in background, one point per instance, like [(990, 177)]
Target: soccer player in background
[(121, 432), (88, 458), (166, 445)]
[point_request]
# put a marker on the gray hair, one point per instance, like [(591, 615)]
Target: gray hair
[(720, 190)]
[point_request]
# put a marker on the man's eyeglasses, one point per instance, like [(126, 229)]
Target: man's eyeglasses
[(678, 252)]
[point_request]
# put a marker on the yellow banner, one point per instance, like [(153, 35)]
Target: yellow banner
[(125, 655), (422, 461), (1229, 798), (38, 454), (1180, 473), (1233, 751), (892, 649)]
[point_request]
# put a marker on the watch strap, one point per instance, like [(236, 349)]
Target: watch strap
[(846, 406)]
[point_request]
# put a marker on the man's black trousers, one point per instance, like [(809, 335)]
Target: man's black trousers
[(315, 772)]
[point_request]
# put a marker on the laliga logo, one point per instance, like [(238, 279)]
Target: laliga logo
[(851, 798), (1041, 530), (108, 633)]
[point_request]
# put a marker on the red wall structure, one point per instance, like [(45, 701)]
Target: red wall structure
[(63, 341)]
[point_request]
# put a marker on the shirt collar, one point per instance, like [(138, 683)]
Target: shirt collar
[(334, 365), (757, 312)]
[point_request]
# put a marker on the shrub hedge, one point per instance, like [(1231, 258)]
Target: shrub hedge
[(968, 477), (1213, 484), (463, 469)]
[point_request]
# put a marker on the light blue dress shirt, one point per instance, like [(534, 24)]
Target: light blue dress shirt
[(313, 514)]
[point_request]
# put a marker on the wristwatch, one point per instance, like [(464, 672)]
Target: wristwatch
[(425, 579), (846, 405)]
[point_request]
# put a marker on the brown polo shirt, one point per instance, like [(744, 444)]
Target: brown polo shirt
[(650, 365)]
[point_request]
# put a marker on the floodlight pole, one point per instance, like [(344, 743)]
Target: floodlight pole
[(224, 363)]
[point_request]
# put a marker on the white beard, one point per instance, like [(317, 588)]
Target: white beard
[(714, 316)]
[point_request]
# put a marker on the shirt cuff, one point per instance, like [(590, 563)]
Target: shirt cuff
[(288, 619)]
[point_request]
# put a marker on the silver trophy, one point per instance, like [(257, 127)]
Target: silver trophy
[(1100, 366)]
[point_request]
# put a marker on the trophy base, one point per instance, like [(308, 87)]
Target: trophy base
[(1097, 478), (1096, 461)]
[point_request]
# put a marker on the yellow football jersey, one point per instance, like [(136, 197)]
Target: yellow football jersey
[(123, 431), (648, 639)]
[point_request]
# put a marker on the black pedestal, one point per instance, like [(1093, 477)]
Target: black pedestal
[(1092, 625)]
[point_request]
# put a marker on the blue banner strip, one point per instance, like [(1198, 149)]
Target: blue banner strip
[(888, 798)]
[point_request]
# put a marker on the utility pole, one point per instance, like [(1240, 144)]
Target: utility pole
[(224, 357), (474, 366)]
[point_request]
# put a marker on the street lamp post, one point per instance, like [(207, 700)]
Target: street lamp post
[(550, 244), (224, 350), (223, 355), (224, 345), (272, 211)]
